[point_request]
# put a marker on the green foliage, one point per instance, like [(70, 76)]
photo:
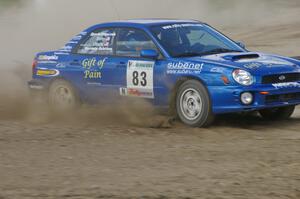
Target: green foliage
[(7, 3)]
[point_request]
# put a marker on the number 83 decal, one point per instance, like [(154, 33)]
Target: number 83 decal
[(140, 76)]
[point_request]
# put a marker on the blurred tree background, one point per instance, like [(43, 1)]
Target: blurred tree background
[(10, 3)]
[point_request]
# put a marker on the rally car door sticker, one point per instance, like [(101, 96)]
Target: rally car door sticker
[(92, 67), (139, 78), (184, 68)]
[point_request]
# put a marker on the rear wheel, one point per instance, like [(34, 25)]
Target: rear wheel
[(193, 104), (62, 96), (281, 113)]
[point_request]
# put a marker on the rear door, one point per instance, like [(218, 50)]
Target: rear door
[(93, 59)]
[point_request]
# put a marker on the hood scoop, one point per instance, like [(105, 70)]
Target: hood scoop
[(241, 56)]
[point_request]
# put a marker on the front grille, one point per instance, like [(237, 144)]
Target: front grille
[(282, 98), (281, 78)]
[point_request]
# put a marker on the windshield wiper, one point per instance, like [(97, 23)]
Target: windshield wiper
[(188, 54), (219, 50)]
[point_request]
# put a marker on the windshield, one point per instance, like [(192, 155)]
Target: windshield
[(193, 39)]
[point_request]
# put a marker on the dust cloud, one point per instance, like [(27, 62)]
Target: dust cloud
[(31, 26), (235, 158)]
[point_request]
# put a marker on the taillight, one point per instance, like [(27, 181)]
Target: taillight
[(34, 63)]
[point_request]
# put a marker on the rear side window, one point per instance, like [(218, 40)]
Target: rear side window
[(131, 41), (99, 42)]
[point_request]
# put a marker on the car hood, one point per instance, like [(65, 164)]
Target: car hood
[(256, 63)]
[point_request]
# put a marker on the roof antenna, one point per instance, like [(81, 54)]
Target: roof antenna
[(114, 8)]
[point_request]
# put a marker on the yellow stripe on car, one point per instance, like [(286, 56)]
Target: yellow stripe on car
[(46, 72)]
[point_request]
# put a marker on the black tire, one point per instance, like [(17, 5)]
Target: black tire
[(281, 113), (62, 96), (193, 104)]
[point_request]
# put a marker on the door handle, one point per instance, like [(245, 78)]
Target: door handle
[(75, 62), (122, 64)]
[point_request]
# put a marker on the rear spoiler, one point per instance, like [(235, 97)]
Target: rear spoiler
[(298, 57)]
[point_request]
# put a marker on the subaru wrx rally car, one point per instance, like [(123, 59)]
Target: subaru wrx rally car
[(183, 65)]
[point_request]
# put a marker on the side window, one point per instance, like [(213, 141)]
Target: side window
[(99, 42), (131, 41)]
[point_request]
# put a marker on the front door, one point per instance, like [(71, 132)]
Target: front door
[(137, 78)]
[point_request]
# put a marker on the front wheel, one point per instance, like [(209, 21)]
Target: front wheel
[(193, 104), (281, 113)]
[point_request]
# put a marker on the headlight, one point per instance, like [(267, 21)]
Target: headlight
[(242, 77)]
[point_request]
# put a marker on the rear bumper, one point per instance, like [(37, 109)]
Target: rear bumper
[(38, 90), (36, 85), (226, 99)]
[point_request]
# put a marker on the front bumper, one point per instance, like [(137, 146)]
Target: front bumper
[(226, 99)]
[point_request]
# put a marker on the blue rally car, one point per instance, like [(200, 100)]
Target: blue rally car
[(183, 65)]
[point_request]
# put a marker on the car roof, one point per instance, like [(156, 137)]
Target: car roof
[(158, 21), (143, 22)]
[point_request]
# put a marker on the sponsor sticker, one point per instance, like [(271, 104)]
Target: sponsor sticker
[(184, 68), (77, 37), (72, 42), (273, 62), (136, 92), (60, 65), (264, 61), (47, 72), (287, 85), (99, 42), (103, 34), (181, 25), (61, 53), (253, 65), (83, 33), (216, 70), (93, 67), (47, 62), (47, 57), (139, 79), (66, 48)]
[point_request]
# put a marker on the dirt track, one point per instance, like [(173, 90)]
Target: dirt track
[(239, 158), (120, 156)]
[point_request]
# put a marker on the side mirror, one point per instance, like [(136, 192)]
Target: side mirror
[(241, 44), (149, 53)]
